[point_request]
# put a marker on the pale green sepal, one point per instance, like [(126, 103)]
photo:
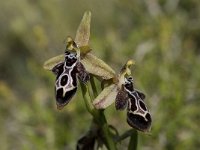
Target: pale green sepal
[(83, 31), (97, 67), (52, 62), (106, 97)]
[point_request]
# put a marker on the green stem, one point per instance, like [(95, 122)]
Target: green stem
[(87, 98), (133, 141), (125, 135), (94, 89), (111, 145), (103, 122), (98, 115)]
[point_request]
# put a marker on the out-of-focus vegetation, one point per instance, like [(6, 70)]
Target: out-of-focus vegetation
[(162, 36)]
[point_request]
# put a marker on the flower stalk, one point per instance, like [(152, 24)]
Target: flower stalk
[(98, 116)]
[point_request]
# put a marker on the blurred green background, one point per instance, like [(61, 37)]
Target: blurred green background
[(162, 36)]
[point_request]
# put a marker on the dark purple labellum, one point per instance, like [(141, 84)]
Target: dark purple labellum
[(66, 77), (138, 115)]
